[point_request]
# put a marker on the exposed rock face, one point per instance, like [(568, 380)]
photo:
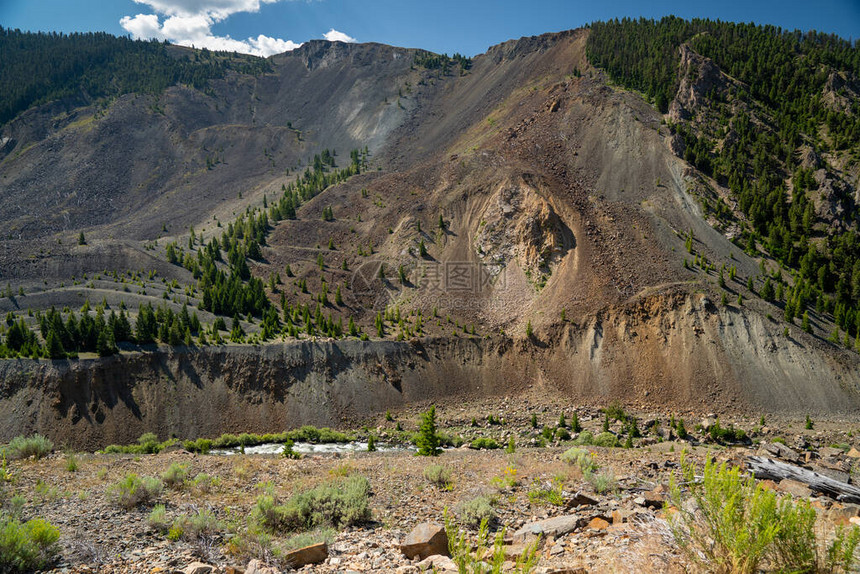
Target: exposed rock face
[(678, 350), (699, 77), (839, 91), (522, 227)]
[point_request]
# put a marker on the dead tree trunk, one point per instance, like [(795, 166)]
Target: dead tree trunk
[(765, 468)]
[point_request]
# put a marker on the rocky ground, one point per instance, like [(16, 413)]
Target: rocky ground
[(624, 528)]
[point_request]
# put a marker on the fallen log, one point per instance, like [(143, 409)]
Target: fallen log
[(765, 468)]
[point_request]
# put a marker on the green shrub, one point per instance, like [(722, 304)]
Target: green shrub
[(562, 434), (616, 412), (337, 504), (27, 546), (480, 557), (736, 525), (472, 513), (585, 438), (133, 490), (158, 518), (446, 439), (726, 434), (601, 482), (146, 444), (546, 493), (605, 439), (484, 443), (198, 525), (72, 463), (226, 440), (438, 475), (580, 458), (16, 506), (35, 446), (310, 433), (289, 452), (204, 483), (175, 476), (201, 445), (5, 473)]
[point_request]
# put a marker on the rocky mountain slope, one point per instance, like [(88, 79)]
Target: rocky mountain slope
[(521, 223)]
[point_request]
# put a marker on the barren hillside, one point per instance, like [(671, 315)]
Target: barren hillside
[(519, 224)]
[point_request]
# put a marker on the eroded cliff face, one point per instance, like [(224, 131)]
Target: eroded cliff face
[(670, 351)]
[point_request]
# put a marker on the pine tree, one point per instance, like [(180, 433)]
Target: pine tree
[(427, 440), (380, 327), (805, 323), (767, 290), (575, 425), (54, 346), (81, 239)]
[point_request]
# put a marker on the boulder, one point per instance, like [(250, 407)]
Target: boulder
[(598, 523), (198, 568), (779, 450), (580, 499), (437, 563), (427, 539), (313, 554), (655, 498), (830, 452), (259, 567), (555, 527)]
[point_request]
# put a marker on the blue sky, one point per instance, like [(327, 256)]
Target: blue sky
[(465, 26)]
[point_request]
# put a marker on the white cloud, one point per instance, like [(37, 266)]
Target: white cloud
[(216, 9), (335, 36), (142, 26), (189, 23)]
